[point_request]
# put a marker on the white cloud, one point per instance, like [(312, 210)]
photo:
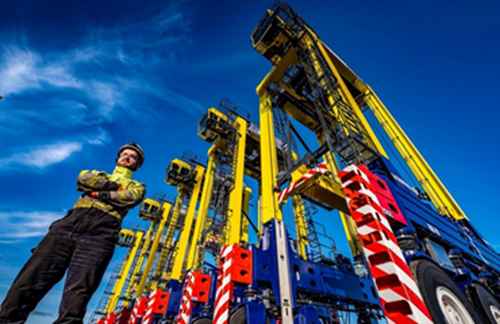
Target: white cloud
[(113, 74), (58, 75), (185, 103), (22, 225), (101, 139), (25, 69), (107, 74), (19, 71), (108, 95), (43, 156)]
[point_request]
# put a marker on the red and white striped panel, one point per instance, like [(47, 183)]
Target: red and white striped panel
[(123, 315), (320, 169), (224, 292), (110, 318), (186, 307), (398, 291), (211, 240), (137, 311), (149, 315)]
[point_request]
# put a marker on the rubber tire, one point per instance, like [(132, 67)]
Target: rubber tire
[(239, 316), (429, 278), (203, 320), (483, 300)]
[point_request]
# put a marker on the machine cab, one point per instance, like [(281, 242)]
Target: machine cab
[(213, 125), (126, 238), (272, 34), (149, 209), (178, 172)]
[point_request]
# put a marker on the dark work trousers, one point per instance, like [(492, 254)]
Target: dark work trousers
[(83, 243)]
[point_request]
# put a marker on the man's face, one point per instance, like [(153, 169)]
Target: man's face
[(128, 158)]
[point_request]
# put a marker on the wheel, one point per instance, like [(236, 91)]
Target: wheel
[(485, 301), (444, 300), (238, 317), (203, 320)]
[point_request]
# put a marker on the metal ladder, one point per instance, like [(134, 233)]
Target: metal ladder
[(337, 118)]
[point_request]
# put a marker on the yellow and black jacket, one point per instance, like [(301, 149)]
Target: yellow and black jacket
[(116, 203)]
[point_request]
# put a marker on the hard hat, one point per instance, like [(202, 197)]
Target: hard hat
[(134, 146)]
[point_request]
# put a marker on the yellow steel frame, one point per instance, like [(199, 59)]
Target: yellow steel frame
[(143, 255), (268, 157), (233, 229), (122, 277), (246, 209), (432, 185), (194, 256), (166, 207), (312, 41), (347, 221), (160, 271), (300, 225), (269, 196), (182, 245), (437, 192)]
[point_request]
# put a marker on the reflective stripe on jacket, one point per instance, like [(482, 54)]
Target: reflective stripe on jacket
[(119, 202)]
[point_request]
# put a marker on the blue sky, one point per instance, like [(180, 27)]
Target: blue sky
[(79, 79)]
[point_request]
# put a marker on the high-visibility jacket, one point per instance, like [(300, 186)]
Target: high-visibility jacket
[(119, 202)]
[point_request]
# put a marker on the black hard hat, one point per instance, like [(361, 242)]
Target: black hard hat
[(134, 146)]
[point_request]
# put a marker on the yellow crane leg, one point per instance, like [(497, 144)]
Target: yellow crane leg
[(233, 234), (259, 216), (270, 207), (268, 159), (347, 221), (246, 209), (437, 192), (352, 234), (145, 274), (122, 277), (138, 265), (206, 194), (182, 245), (300, 225), (346, 94), (160, 271)]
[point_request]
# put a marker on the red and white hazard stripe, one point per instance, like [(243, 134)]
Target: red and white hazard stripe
[(224, 292), (319, 169), (137, 310), (123, 315), (211, 240), (110, 318), (384, 243), (186, 307), (148, 315)]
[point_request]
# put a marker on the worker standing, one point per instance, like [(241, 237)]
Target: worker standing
[(82, 242)]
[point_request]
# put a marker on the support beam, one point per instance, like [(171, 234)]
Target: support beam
[(236, 196), (269, 160), (194, 254), (122, 277), (182, 245), (154, 247)]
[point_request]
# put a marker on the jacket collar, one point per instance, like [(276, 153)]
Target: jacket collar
[(123, 172)]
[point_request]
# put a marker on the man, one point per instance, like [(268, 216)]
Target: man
[(82, 242)]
